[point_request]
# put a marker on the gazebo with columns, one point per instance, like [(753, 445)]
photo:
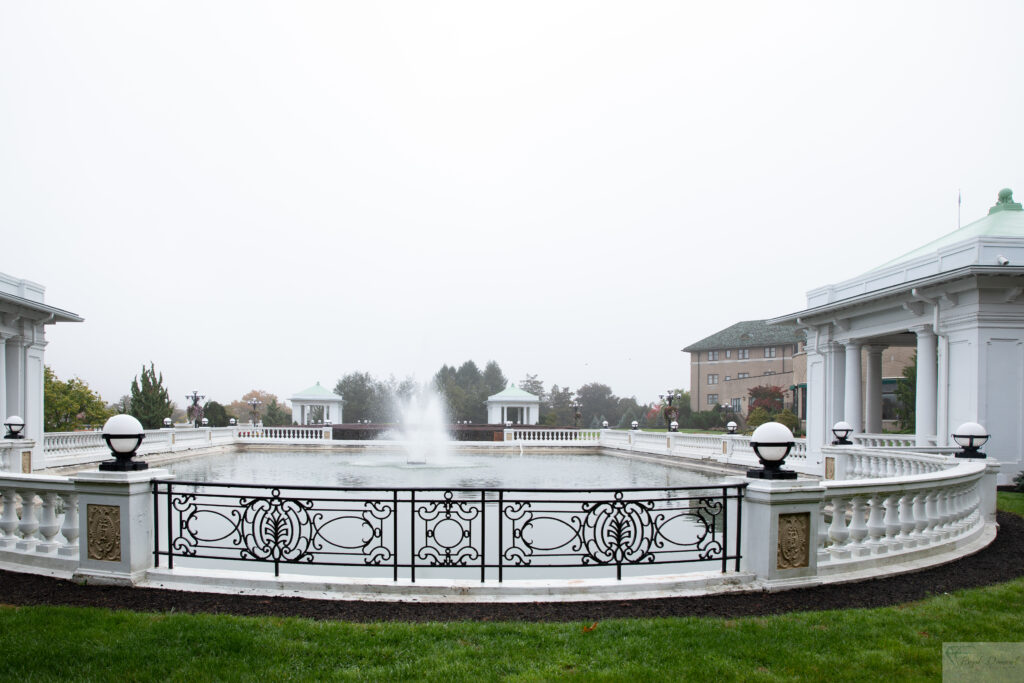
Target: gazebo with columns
[(958, 301), (317, 396), (513, 405)]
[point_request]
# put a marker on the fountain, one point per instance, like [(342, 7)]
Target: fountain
[(423, 427)]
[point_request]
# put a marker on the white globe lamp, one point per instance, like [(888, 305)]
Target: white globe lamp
[(772, 442), (124, 435)]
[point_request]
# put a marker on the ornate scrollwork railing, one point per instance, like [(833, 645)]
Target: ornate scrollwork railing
[(489, 532)]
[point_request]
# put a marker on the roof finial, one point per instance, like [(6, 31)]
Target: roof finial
[(1005, 202)]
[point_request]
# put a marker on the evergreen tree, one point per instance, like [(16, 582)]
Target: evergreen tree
[(906, 397), (150, 403), (276, 415), (217, 414), (493, 379)]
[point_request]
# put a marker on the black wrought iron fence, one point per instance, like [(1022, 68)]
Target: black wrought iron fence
[(484, 531)]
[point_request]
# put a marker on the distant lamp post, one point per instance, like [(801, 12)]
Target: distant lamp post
[(842, 431), (634, 425), (771, 442), (124, 435), (508, 424), (970, 436), (730, 427), (673, 426), (671, 412), (197, 410), (576, 414), (232, 421), (168, 423), (254, 406), (15, 425), (206, 422), (604, 424)]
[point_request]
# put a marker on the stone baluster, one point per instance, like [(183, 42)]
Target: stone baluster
[(823, 555), (956, 511), (837, 530), (892, 522), (942, 508), (49, 525), (70, 527), (920, 519), (9, 518), (858, 527), (931, 511), (907, 520), (876, 525), (29, 525)]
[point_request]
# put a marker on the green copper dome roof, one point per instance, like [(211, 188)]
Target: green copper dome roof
[(317, 391), (511, 393)]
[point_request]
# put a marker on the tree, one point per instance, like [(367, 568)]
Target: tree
[(597, 399), (493, 379), (768, 397), (243, 410), (906, 397), (150, 403), (559, 409), (276, 415), (359, 389), (71, 405), (217, 414)]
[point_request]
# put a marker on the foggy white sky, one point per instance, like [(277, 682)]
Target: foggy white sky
[(263, 195)]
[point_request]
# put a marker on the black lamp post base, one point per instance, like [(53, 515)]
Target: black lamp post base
[(771, 474), (123, 466), (968, 453)]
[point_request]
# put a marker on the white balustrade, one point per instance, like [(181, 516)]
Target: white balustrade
[(556, 435), (870, 517), (38, 521)]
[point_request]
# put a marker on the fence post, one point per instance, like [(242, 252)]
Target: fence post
[(780, 528), (115, 525)]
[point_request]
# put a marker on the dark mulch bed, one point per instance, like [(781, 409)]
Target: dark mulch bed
[(1001, 561)]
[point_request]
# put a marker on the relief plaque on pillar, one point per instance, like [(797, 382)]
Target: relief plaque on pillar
[(103, 539), (794, 540), (26, 462), (830, 467)]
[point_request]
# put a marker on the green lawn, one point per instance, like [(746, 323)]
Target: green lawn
[(902, 643)]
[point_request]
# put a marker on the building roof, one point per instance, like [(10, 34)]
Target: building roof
[(1004, 219), (36, 310), (512, 393), (748, 333), (316, 392)]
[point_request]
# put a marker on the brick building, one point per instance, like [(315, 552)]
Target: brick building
[(727, 364)]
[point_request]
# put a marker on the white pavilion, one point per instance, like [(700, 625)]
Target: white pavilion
[(24, 316), (317, 396), (513, 405), (958, 301)]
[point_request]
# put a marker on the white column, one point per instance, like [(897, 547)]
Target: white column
[(873, 390), (3, 378), (925, 415), (15, 361), (852, 394)]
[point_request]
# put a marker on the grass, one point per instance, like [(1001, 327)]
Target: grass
[(900, 643)]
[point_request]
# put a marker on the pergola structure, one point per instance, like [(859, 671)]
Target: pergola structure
[(513, 405), (23, 320), (958, 301), (317, 396)]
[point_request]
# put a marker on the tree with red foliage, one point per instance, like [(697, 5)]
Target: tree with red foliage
[(768, 397)]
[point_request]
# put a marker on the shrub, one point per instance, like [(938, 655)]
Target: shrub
[(757, 417), (1019, 481), (788, 418)]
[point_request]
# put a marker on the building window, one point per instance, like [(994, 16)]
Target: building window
[(712, 379), (728, 353), (769, 352), (736, 407), (743, 354), (712, 399), (727, 378), (769, 372), (742, 375), (712, 355)]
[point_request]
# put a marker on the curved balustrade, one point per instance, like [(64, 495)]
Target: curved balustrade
[(887, 440), (869, 518), (284, 433)]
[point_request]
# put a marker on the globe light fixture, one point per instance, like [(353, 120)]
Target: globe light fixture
[(168, 423), (673, 426), (634, 425), (232, 421), (730, 427), (604, 424), (206, 422), (15, 425), (842, 430), (970, 436), (771, 442), (508, 423), (124, 435)]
